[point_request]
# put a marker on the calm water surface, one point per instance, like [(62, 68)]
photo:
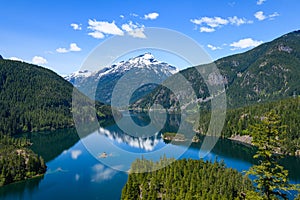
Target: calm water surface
[(73, 173)]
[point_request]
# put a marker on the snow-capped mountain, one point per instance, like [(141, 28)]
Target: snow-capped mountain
[(99, 85), (78, 76), (145, 61)]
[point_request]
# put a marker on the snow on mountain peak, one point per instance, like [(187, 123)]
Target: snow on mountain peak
[(148, 56), (81, 73), (100, 84), (84, 73), (146, 59)]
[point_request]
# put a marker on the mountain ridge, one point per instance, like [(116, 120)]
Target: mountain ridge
[(99, 84), (34, 98), (265, 73)]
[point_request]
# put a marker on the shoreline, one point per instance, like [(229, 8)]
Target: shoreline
[(26, 179), (244, 139)]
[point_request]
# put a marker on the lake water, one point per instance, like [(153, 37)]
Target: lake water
[(74, 173)]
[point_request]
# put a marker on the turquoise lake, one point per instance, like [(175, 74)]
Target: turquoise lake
[(74, 173)]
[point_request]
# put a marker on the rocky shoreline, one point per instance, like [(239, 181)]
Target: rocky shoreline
[(245, 139)]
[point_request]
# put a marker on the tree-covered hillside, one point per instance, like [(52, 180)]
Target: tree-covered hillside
[(18, 162), (238, 120), (33, 98), (184, 179), (266, 73)]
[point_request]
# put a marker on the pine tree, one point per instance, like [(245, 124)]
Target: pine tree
[(268, 136)]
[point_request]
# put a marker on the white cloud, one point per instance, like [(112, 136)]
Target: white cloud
[(134, 30), (73, 47), (76, 26), (206, 29), (213, 47), (16, 59), (101, 28), (101, 173), (38, 60), (212, 22), (245, 43), (275, 14), (238, 21), (260, 15), (75, 154), (97, 35), (62, 50), (151, 16), (127, 27), (122, 16), (209, 24), (259, 2)]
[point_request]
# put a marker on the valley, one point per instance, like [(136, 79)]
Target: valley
[(39, 138)]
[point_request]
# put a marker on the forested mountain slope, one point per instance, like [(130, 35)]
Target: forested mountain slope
[(33, 98), (268, 72)]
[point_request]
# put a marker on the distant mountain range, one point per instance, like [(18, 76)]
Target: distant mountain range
[(266, 73), (100, 84)]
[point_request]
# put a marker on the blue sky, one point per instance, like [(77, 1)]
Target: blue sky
[(61, 34)]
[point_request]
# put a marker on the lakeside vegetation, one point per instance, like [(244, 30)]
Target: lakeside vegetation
[(36, 99), (178, 137), (238, 121), (17, 162), (270, 177), (184, 179), (198, 179), (33, 99), (256, 81)]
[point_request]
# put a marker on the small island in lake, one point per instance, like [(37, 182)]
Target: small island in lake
[(195, 139), (103, 155), (178, 137)]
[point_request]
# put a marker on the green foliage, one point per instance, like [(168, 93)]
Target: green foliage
[(33, 98), (268, 136), (238, 121), (252, 195), (18, 162), (184, 179), (266, 73), (256, 81)]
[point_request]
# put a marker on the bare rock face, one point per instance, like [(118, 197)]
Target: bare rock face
[(1, 58)]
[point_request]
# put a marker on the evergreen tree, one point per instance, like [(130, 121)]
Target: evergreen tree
[(184, 179), (268, 136)]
